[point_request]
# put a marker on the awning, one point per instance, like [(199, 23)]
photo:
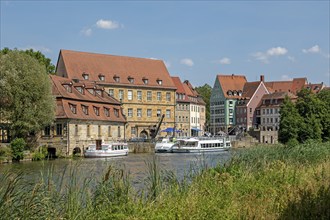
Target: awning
[(170, 130), (196, 129)]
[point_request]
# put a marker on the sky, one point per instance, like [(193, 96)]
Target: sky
[(196, 39)]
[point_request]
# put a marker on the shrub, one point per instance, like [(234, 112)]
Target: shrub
[(17, 149), (40, 153)]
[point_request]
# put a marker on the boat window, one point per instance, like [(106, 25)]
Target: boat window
[(221, 145), (227, 144)]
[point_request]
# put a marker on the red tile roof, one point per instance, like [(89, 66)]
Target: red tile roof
[(287, 86), (99, 99), (249, 89), (178, 84), (76, 63), (278, 95), (231, 83)]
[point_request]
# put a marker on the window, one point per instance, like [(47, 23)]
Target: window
[(230, 102), (267, 111), (250, 110), (145, 80), (139, 112), (149, 96), (263, 111), (84, 109), (133, 130), (101, 77), (116, 78), (271, 111), (68, 88), (121, 95), (99, 130), (107, 112), (88, 130), (159, 96), (139, 95), (119, 135), (130, 79), (168, 96), (96, 110), (47, 131), (159, 112), (73, 108), (168, 113), (129, 94), (230, 110), (80, 89), (111, 92), (109, 131), (149, 113), (91, 91), (59, 129), (85, 76), (159, 81), (76, 130), (116, 112), (130, 112)]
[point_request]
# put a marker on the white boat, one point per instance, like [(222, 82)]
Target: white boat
[(107, 150), (198, 145), (165, 145)]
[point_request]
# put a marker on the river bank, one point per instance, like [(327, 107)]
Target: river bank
[(272, 182)]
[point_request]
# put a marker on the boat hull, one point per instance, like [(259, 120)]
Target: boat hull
[(198, 150), (164, 147), (105, 154)]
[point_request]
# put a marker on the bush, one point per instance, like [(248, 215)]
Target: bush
[(40, 153), (17, 149), (292, 142), (5, 153)]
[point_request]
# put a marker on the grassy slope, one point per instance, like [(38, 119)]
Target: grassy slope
[(263, 183)]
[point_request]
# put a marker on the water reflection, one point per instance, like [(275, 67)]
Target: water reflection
[(134, 164)]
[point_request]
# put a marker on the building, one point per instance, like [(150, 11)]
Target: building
[(143, 86), (85, 114), (247, 104), (226, 91), (190, 109), (268, 115)]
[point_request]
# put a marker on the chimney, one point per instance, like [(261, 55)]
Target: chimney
[(262, 78)]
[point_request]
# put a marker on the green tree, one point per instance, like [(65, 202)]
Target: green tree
[(290, 122), (26, 100), (312, 110), (42, 59), (205, 92), (17, 149), (324, 96)]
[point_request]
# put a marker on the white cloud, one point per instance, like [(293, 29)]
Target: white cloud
[(225, 61), (277, 51), (37, 48), (86, 31), (107, 24), (313, 49), (187, 62), (274, 51)]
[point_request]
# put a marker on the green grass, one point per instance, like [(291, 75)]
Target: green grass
[(266, 182)]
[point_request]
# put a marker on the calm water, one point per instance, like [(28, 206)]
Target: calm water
[(134, 164)]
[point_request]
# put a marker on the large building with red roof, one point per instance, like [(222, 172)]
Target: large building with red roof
[(190, 109), (85, 114), (143, 86)]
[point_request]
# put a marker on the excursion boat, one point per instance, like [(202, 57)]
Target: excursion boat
[(107, 150), (198, 145), (165, 145)]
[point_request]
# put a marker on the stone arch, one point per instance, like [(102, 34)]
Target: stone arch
[(51, 152), (76, 151), (144, 134)]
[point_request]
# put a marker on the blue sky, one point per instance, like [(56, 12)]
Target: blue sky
[(197, 40)]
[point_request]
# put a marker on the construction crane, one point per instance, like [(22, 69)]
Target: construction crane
[(155, 129)]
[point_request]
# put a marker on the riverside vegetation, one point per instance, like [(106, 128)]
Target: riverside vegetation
[(267, 182)]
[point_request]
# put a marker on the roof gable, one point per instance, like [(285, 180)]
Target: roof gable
[(231, 83)]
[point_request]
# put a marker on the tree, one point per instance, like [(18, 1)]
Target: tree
[(26, 100), (17, 149), (324, 96), (205, 92), (42, 59), (290, 122)]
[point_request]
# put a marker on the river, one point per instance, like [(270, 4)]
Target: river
[(134, 164)]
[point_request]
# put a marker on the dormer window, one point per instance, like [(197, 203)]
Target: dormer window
[(234, 92), (85, 76), (145, 80), (68, 87), (159, 81), (80, 89), (91, 91), (116, 78), (101, 77), (99, 92), (130, 79), (107, 112), (240, 92), (73, 108), (116, 112), (84, 109), (96, 110), (229, 92)]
